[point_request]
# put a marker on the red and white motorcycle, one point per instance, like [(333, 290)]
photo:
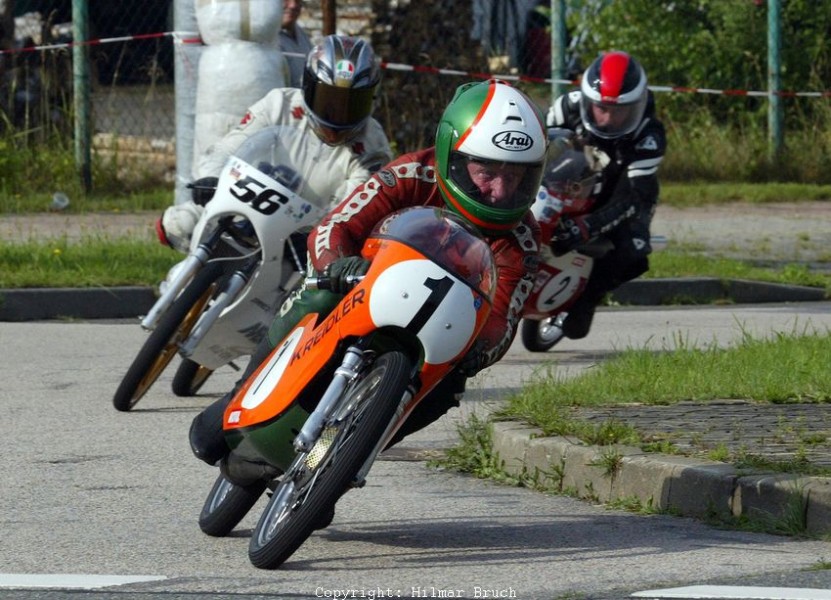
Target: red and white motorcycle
[(569, 186)]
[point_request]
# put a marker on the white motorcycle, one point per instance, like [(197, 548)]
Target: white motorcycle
[(247, 253)]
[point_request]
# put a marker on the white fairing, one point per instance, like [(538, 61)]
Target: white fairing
[(272, 372), (442, 315), (560, 278), (274, 212)]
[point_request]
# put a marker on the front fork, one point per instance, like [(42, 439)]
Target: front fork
[(326, 410), (195, 261), (236, 283)]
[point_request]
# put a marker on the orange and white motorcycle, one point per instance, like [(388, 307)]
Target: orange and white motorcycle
[(331, 395)]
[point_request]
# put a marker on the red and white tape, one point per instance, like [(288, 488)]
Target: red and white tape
[(193, 38)]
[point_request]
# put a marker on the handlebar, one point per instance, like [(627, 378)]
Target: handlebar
[(324, 282)]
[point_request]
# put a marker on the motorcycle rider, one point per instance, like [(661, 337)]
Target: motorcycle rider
[(613, 113), (486, 166), (335, 103)]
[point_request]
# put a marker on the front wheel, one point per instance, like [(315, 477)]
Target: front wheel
[(315, 481), (189, 378), (227, 504), (541, 336), (163, 343)]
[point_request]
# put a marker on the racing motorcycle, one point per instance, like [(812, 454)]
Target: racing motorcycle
[(330, 396), (569, 185), (246, 254)]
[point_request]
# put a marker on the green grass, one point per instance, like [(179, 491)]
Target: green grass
[(88, 262), (784, 368), (679, 261), (702, 193), (153, 199)]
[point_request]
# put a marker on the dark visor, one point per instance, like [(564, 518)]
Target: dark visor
[(338, 106)]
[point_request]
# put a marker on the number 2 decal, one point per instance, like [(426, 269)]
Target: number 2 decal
[(252, 192), (438, 290), (564, 282)]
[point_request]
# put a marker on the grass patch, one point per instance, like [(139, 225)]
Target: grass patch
[(24, 264), (683, 195), (784, 368), (679, 261), (89, 262), (154, 199)]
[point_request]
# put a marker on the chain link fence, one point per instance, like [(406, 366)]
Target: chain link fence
[(133, 98)]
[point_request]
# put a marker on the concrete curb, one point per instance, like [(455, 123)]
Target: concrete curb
[(706, 290), (685, 486), (34, 304), (31, 304)]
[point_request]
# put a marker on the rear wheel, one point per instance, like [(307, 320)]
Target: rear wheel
[(189, 378), (227, 504), (315, 481), (541, 336), (163, 343)]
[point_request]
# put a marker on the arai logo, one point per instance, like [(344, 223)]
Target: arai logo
[(512, 141)]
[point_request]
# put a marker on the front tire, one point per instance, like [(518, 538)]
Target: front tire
[(189, 378), (163, 343), (316, 479), (227, 504), (540, 336)]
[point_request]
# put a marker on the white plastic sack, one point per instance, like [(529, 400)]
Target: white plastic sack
[(239, 20), (232, 77)]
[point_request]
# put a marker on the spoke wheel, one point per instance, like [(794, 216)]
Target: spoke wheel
[(189, 378), (163, 342), (227, 504), (540, 336), (316, 479)]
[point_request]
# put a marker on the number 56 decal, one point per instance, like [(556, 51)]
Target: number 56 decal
[(261, 198)]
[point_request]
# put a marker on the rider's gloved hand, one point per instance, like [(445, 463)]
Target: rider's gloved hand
[(341, 268), (176, 225), (203, 189), (570, 233), (474, 360)]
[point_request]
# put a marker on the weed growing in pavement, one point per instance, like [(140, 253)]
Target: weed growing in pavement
[(820, 565)]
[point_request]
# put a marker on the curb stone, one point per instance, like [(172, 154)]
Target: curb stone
[(690, 487), (31, 304)]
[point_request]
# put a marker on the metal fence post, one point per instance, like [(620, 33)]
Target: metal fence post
[(558, 47), (81, 91), (774, 80)]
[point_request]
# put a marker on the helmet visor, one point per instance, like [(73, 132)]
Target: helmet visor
[(608, 120), (338, 107), (494, 184)]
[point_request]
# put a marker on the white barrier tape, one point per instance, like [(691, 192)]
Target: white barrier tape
[(184, 37)]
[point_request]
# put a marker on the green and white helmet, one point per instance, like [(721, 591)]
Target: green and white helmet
[(492, 123)]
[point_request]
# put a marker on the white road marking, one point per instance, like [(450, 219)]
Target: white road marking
[(66, 581), (733, 592)]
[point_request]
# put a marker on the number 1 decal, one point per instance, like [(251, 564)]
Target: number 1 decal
[(438, 290)]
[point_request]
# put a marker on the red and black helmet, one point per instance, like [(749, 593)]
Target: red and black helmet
[(613, 95)]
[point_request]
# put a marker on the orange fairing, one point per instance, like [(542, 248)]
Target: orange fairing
[(404, 288)]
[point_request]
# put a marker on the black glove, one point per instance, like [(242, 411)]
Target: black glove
[(570, 233), (341, 268), (202, 190), (474, 360)]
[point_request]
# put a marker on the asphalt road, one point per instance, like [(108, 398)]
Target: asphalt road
[(88, 491)]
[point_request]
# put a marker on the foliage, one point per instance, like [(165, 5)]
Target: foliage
[(717, 44)]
